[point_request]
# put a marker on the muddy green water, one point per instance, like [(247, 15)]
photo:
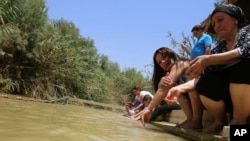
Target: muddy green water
[(35, 121)]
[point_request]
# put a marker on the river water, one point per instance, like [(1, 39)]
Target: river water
[(22, 120)]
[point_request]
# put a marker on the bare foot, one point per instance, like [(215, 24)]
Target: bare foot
[(194, 125), (215, 128), (184, 122)]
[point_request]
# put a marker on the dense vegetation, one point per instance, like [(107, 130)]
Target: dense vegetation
[(46, 59)]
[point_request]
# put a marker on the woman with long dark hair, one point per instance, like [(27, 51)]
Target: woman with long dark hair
[(169, 70)]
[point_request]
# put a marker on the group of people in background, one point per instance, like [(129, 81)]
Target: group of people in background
[(214, 79), (142, 100)]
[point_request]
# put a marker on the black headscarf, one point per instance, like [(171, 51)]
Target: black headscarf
[(233, 11)]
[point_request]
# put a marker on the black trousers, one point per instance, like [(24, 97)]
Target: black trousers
[(163, 109)]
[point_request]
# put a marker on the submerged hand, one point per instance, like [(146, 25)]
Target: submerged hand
[(145, 117)]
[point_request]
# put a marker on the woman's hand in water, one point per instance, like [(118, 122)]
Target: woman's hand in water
[(145, 116)]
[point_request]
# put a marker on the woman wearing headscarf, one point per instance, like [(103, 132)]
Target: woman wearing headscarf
[(224, 87)]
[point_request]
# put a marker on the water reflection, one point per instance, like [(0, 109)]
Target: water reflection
[(28, 121)]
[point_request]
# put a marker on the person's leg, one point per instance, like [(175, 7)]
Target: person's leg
[(217, 111), (156, 112), (240, 91), (160, 110), (163, 109), (174, 106), (197, 108), (213, 88), (240, 94), (185, 105)]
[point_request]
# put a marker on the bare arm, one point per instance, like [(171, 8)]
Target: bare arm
[(175, 92), (199, 64), (188, 86), (175, 74), (165, 84), (138, 114), (224, 58), (138, 107)]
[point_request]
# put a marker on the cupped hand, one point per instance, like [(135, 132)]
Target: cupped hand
[(173, 95)]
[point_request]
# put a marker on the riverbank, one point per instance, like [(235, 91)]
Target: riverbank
[(69, 100), (93, 104)]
